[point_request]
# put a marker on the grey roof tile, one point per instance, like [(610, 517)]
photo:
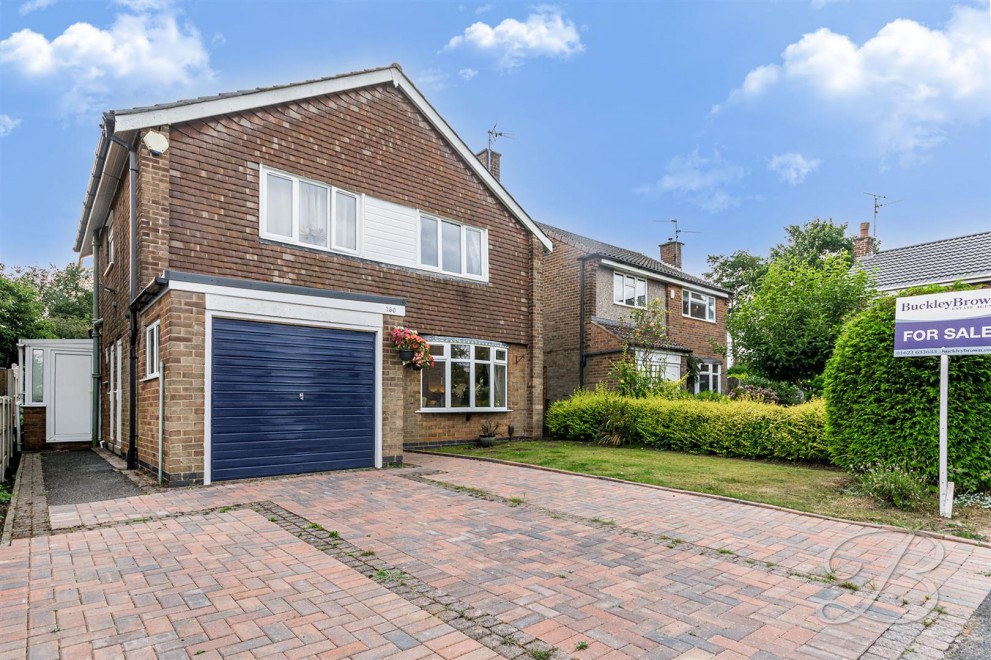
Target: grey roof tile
[(629, 257), (944, 261)]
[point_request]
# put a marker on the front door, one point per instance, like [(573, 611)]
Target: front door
[(72, 403)]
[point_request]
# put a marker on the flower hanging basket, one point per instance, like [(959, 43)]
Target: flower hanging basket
[(414, 351)]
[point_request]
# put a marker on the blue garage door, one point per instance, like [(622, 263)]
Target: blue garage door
[(289, 399)]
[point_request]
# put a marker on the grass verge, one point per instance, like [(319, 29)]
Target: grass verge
[(812, 489)]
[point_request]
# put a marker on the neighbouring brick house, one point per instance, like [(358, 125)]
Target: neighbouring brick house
[(964, 259), (280, 234), (589, 290)]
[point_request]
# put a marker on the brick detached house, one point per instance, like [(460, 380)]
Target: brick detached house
[(589, 290), (253, 250), (960, 259)]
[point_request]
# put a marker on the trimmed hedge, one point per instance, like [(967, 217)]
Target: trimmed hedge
[(741, 429), (885, 410)]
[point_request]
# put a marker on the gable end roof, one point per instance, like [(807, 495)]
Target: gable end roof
[(127, 123), (631, 258), (962, 258)]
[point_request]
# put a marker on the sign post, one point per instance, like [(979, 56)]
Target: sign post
[(944, 324)]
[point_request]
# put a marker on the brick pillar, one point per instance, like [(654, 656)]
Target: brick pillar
[(535, 389), (864, 244), (671, 253)]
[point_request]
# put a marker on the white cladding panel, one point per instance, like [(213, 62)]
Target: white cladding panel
[(390, 233)]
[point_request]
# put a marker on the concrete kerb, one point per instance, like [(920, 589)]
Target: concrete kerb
[(8, 523), (721, 498)]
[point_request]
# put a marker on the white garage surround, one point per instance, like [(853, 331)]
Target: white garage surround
[(287, 308)]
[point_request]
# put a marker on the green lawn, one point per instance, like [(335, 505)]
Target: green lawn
[(803, 487)]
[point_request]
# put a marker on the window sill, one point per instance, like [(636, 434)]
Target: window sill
[(148, 378), (629, 306), (34, 405), (108, 268), (434, 411), (695, 318)]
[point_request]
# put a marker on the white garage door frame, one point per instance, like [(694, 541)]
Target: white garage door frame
[(291, 309)]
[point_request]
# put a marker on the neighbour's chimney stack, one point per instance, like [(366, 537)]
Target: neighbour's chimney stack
[(671, 253), (490, 159), (864, 244)]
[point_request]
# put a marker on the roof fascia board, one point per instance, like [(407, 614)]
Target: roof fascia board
[(656, 276), (129, 121)]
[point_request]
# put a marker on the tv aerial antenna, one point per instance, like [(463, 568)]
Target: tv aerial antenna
[(493, 136), (678, 232), (878, 205)]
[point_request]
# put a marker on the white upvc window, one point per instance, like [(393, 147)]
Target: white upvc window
[(709, 379), (698, 305), (629, 290), (151, 350), (466, 377), (306, 212), (35, 376), (451, 247), (111, 250)]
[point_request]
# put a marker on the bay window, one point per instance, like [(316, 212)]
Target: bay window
[(467, 376)]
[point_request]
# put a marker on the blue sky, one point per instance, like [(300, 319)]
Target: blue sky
[(736, 118)]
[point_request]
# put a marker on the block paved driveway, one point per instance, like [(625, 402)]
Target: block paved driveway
[(461, 558)]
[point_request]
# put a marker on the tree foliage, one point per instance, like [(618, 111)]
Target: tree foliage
[(43, 303), (811, 244), (883, 411), (787, 329)]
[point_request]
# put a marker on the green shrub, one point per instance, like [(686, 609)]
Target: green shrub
[(709, 395), (894, 485), (788, 394), (743, 429), (883, 409)]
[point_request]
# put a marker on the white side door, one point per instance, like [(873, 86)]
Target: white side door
[(71, 406)]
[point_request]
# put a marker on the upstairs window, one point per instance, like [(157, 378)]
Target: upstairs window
[(111, 252), (297, 210), (629, 290), (453, 248), (698, 305)]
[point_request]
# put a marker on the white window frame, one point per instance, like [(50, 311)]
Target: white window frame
[(151, 350), (331, 191), (687, 295), (439, 268), (29, 381), (636, 281), (713, 370), (445, 364), (111, 251)]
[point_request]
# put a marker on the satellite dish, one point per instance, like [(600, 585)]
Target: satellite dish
[(156, 142)]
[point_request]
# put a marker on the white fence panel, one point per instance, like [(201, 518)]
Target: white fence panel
[(8, 418)]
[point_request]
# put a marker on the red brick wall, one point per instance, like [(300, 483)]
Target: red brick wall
[(700, 336), (34, 432)]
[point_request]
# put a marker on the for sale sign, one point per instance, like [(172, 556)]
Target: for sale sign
[(952, 323)]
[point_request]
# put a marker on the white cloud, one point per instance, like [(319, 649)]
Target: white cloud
[(819, 4), (145, 50), (433, 79), (7, 124), (908, 84), (792, 168), (700, 180), (34, 5), (484, 8), (467, 74), (545, 32)]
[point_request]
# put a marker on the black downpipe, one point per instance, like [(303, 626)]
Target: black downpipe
[(132, 353), (581, 318)]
